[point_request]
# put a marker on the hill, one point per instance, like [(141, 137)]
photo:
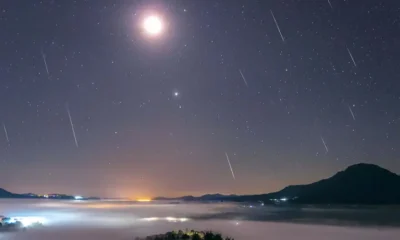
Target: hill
[(358, 184), (6, 194)]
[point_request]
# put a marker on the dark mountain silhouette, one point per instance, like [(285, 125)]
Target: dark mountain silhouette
[(185, 198), (358, 184), (5, 194), (207, 197)]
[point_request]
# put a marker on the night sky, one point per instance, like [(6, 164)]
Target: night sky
[(289, 101)]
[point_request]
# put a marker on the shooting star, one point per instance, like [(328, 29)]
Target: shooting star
[(326, 147), (72, 125), (45, 63), (230, 166), (244, 79), (330, 4), (351, 56), (352, 114), (277, 26), (6, 133)]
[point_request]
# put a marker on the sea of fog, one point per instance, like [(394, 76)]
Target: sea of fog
[(106, 220)]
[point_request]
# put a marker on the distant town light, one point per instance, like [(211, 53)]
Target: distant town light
[(283, 199), (78, 197), (144, 200)]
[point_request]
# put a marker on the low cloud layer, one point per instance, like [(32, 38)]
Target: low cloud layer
[(125, 220)]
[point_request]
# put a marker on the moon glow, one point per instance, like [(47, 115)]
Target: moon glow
[(153, 25)]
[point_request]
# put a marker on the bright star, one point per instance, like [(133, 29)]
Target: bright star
[(153, 25)]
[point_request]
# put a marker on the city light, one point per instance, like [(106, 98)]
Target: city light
[(144, 200)]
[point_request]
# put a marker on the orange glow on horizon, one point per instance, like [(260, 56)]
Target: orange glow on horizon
[(143, 200)]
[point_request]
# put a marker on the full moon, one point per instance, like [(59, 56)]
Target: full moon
[(153, 25)]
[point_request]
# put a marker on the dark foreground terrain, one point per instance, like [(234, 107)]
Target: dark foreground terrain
[(188, 235)]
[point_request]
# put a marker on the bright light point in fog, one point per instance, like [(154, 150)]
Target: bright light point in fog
[(168, 219), (78, 197), (176, 94), (28, 221), (150, 219), (153, 25)]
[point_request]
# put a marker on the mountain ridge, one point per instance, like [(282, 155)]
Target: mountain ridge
[(6, 194), (360, 183)]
